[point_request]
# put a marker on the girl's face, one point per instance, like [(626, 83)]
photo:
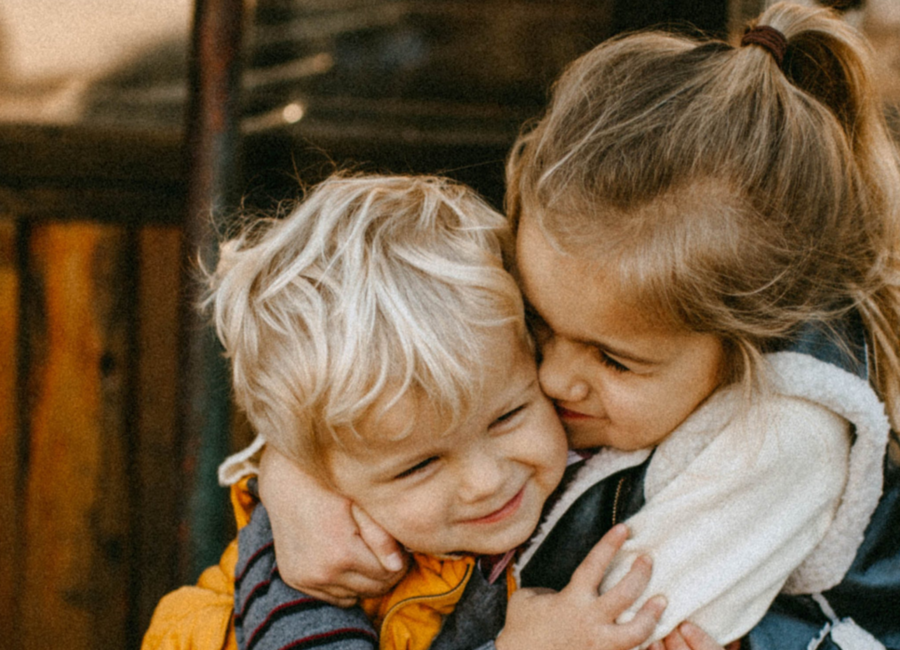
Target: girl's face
[(617, 378)]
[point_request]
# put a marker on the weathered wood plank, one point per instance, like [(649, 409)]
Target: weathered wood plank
[(158, 451), (10, 542), (77, 546)]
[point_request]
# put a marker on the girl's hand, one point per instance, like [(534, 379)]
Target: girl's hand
[(325, 546), (688, 636), (578, 616)]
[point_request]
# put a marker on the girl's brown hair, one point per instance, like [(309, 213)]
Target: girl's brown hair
[(737, 197)]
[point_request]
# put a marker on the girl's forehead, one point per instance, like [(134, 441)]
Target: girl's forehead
[(584, 299), (547, 273)]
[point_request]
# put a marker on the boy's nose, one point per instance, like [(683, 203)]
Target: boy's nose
[(482, 478), (558, 373)]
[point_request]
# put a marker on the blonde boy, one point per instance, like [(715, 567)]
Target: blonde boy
[(377, 340)]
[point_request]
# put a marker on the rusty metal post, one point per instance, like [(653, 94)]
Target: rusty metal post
[(212, 147)]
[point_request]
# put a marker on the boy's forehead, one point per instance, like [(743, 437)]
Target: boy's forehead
[(507, 367), (392, 417)]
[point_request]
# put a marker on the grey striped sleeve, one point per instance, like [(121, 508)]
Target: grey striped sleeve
[(270, 615)]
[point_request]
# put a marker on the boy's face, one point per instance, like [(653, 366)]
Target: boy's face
[(617, 378), (479, 487)]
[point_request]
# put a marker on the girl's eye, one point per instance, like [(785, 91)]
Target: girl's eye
[(609, 362), (535, 324), (418, 467)]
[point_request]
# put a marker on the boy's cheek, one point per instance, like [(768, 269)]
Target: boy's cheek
[(403, 519)]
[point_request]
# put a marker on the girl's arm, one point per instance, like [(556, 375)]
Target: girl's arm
[(326, 547)]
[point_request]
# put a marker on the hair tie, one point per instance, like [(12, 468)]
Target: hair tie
[(769, 38)]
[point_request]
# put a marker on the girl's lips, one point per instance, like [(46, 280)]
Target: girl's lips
[(503, 512), (566, 414)]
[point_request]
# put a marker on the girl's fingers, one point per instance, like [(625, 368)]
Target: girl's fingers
[(628, 589), (383, 546), (636, 631), (590, 572), (674, 641), (695, 638)]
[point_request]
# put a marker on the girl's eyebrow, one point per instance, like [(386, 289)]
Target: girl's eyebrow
[(530, 310)]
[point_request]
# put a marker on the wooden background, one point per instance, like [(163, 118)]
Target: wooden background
[(95, 479), (94, 474), (90, 258)]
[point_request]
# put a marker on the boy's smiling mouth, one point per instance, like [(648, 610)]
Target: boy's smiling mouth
[(506, 510)]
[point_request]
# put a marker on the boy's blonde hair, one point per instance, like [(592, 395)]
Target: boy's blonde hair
[(371, 287), (737, 197)]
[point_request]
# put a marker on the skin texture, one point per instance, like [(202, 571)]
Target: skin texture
[(617, 377), (479, 487)]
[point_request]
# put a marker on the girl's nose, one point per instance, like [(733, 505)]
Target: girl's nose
[(558, 373)]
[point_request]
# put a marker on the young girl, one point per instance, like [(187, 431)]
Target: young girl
[(723, 206), (708, 237)]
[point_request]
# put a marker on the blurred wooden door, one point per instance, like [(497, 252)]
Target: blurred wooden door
[(90, 250)]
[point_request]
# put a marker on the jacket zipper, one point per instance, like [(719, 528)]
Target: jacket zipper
[(422, 599), (615, 508)]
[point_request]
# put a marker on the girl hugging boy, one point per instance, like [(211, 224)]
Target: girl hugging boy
[(707, 239)]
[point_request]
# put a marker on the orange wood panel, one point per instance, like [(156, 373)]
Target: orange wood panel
[(77, 545), (10, 564)]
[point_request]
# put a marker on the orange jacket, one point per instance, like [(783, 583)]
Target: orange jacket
[(408, 618)]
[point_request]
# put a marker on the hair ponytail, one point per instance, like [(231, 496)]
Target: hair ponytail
[(827, 59)]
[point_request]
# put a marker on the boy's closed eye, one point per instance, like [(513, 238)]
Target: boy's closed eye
[(507, 417), (417, 468), (498, 424)]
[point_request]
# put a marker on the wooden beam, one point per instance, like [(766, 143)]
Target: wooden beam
[(11, 578), (157, 475), (212, 149)]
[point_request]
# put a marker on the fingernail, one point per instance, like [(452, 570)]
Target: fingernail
[(621, 529), (659, 603), (393, 562)]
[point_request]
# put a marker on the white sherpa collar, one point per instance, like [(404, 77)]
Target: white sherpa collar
[(791, 374), (800, 375)]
